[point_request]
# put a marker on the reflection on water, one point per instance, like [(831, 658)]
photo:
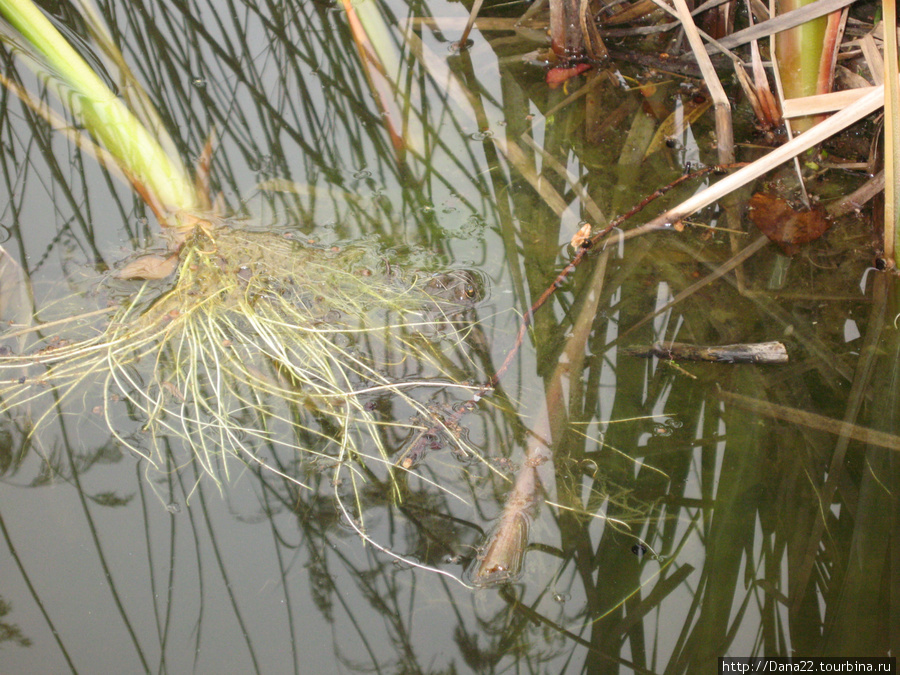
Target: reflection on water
[(682, 512)]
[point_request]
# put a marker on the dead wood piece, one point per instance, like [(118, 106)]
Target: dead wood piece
[(761, 352)]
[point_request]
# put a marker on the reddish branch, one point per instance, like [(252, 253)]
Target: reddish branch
[(420, 445)]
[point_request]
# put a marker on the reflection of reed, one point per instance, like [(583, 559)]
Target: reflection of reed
[(501, 556)]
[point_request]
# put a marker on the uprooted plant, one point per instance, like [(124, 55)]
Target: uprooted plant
[(237, 341), (253, 345)]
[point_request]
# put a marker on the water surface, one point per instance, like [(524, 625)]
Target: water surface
[(690, 510)]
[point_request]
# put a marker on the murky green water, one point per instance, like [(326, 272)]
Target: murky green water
[(689, 511)]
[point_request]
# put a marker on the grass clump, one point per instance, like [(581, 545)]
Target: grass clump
[(320, 365), (259, 342)]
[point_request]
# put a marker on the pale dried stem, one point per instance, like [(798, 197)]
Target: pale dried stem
[(780, 23), (476, 7), (891, 135), (839, 121), (724, 135)]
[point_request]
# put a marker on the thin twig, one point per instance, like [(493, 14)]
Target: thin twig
[(580, 254)]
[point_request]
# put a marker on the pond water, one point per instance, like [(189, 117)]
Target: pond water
[(685, 510)]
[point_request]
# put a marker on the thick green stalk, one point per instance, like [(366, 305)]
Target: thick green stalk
[(162, 177), (799, 53)]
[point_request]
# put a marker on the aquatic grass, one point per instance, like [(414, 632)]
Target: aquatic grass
[(233, 356), (228, 359)]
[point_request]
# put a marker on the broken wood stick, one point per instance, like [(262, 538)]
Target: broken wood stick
[(760, 352)]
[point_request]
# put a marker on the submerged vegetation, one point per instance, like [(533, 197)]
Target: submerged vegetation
[(239, 341), (259, 341)]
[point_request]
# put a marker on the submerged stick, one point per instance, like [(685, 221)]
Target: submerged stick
[(500, 558), (760, 352), (844, 429)]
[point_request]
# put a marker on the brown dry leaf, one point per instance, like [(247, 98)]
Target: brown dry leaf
[(150, 266), (769, 114), (783, 224), (580, 237)]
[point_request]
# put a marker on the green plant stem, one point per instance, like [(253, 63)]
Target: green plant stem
[(155, 173), (799, 54)]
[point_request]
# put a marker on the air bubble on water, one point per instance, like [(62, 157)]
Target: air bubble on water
[(482, 135), (456, 47)]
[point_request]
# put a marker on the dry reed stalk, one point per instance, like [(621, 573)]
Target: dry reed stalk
[(891, 136), (866, 105), (724, 135)]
